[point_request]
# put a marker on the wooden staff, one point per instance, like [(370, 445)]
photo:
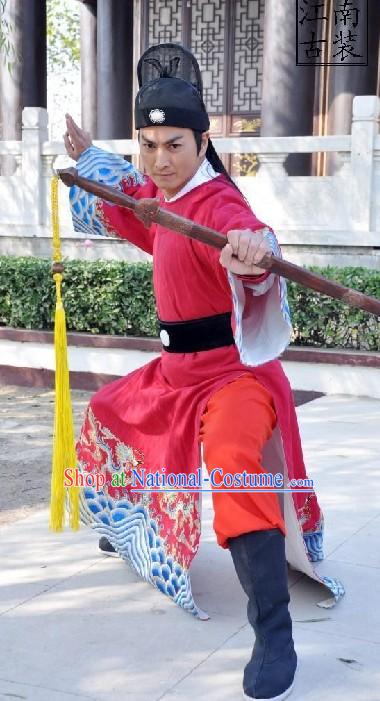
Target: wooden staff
[(148, 211)]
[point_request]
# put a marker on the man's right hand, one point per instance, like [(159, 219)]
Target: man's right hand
[(76, 139)]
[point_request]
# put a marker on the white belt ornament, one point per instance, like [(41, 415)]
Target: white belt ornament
[(164, 336)]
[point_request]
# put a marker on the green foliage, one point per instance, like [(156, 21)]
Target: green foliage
[(100, 297), (63, 34), (115, 297), (26, 297), (319, 320), (110, 297), (6, 47)]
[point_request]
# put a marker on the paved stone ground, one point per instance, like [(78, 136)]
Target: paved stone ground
[(26, 433)]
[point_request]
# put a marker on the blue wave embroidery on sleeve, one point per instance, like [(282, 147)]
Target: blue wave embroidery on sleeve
[(107, 168)]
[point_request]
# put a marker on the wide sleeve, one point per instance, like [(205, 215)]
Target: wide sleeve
[(263, 326), (94, 216)]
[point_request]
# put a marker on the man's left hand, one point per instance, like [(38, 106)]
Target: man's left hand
[(244, 251)]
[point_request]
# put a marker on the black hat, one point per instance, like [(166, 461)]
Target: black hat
[(170, 89)]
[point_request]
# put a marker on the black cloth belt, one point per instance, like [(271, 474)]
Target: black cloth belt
[(197, 334)]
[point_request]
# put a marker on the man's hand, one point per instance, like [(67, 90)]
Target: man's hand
[(244, 252), (76, 139)]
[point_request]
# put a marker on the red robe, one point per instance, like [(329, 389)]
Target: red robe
[(151, 417)]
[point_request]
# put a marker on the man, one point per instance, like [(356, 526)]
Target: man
[(210, 386)]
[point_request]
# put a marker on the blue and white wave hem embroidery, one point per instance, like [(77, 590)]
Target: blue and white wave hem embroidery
[(336, 588), (134, 535), (104, 167), (314, 545), (263, 325)]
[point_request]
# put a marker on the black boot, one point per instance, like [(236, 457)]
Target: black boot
[(260, 563), (106, 547)]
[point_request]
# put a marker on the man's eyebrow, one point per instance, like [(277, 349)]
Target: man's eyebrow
[(175, 138), (166, 143)]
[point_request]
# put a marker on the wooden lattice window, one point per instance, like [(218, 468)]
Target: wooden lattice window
[(227, 37)]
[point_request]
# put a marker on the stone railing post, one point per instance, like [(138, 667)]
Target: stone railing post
[(34, 133), (271, 165), (365, 127)]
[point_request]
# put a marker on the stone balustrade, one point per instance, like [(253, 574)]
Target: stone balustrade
[(332, 219)]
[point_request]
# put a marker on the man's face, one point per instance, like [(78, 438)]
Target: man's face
[(170, 156)]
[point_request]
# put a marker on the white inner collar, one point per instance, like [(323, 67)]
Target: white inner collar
[(204, 173)]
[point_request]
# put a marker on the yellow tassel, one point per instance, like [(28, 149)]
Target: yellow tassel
[(64, 442)]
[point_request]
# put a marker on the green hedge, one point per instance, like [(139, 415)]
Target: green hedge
[(321, 321), (115, 297), (109, 297)]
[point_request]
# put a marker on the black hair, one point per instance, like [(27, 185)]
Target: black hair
[(213, 157)]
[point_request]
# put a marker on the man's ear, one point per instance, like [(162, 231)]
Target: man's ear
[(204, 143)]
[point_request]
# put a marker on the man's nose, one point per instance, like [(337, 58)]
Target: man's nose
[(162, 159)]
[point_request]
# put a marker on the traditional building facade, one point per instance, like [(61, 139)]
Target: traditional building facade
[(247, 53)]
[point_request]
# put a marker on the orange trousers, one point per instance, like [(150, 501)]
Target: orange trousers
[(237, 422)]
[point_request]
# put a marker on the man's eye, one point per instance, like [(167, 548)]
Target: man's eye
[(149, 146), (175, 145)]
